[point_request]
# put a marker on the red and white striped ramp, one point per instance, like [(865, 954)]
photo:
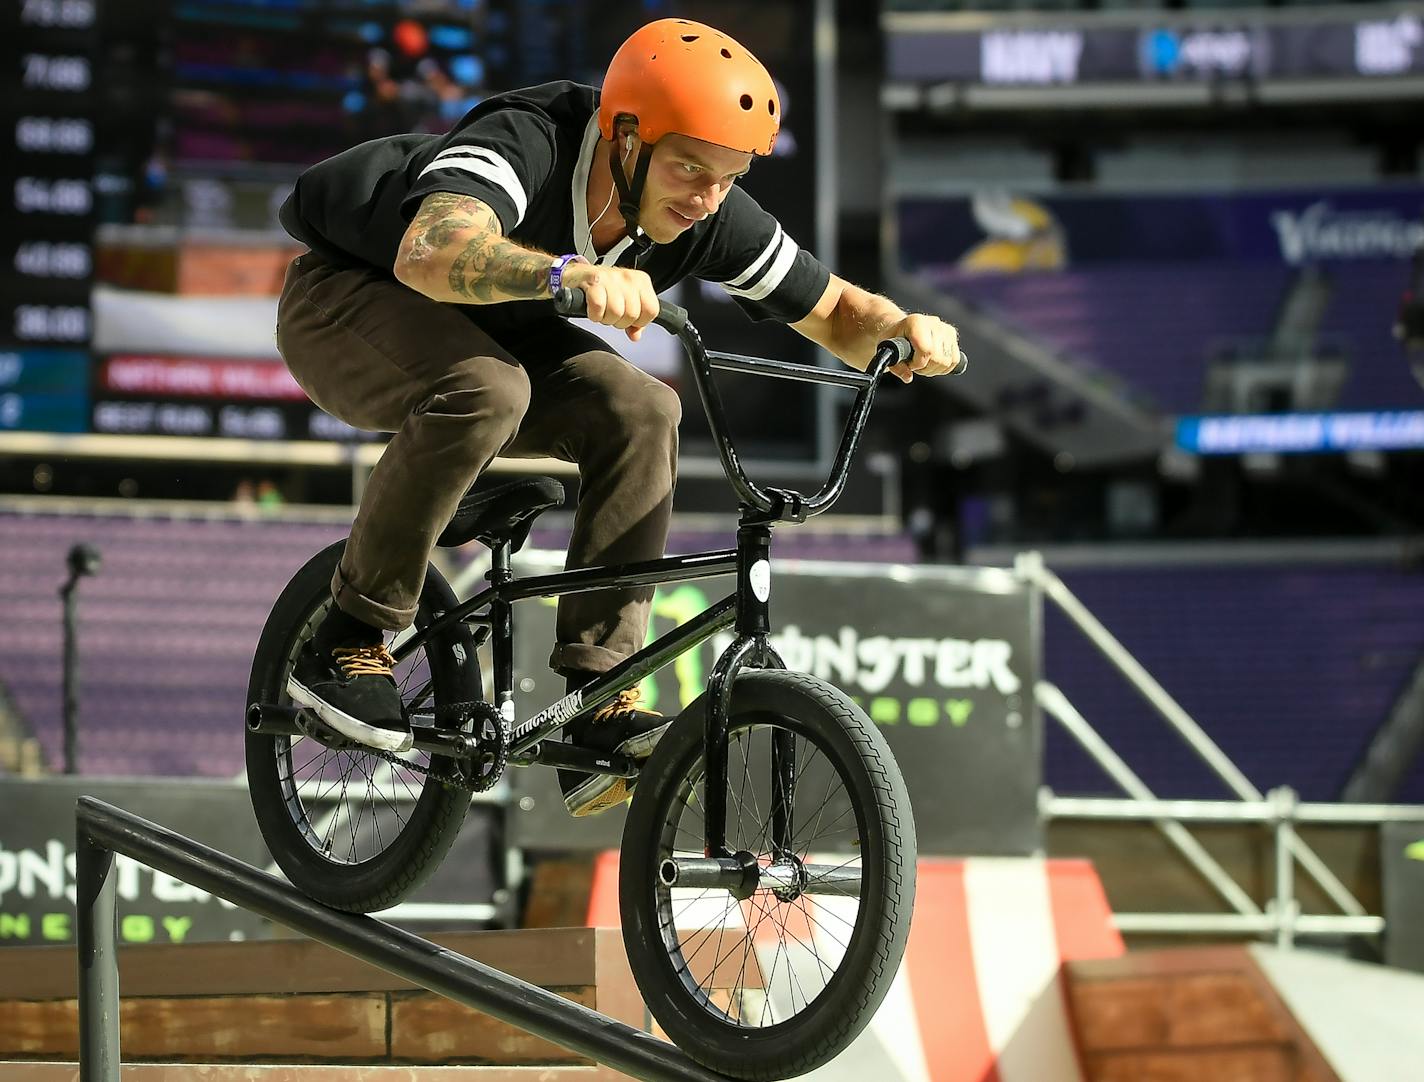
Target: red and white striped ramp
[(978, 997)]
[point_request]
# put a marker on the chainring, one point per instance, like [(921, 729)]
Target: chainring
[(474, 774)]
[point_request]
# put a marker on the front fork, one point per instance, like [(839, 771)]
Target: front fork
[(752, 649)]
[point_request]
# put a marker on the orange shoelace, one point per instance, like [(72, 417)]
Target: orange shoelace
[(364, 660), (627, 699)]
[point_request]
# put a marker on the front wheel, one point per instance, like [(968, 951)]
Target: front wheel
[(777, 982)]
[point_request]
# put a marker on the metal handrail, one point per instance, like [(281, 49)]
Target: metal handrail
[(103, 830), (1281, 810), (1053, 806), (1029, 566)]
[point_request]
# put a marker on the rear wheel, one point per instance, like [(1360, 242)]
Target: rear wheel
[(349, 828), (779, 982)]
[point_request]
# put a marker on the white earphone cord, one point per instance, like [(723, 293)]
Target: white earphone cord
[(589, 242)]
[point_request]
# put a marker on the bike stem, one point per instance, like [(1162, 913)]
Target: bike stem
[(751, 647)]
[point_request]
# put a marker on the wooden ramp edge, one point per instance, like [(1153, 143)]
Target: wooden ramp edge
[(277, 1072), (1185, 1015), (270, 1010)]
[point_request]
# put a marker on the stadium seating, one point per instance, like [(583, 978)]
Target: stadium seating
[(168, 626), (1289, 667), (167, 630), (1154, 327)]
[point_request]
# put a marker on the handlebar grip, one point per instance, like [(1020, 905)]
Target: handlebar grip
[(902, 351), (671, 317), (573, 303)]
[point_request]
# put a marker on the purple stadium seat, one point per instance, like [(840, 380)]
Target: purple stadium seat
[(1289, 668), (1155, 326), (167, 628)]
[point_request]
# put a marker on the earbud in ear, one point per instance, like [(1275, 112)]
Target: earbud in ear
[(628, 142)]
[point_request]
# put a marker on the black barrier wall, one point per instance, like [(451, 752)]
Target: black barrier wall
[(1402, 855), (942, 659), (37, 868), (37, 862)]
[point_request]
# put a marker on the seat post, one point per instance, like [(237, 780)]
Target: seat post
[(502, 632), (499, 572)]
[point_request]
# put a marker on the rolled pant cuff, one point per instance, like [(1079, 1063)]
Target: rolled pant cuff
[(351, 601), (583, 658)]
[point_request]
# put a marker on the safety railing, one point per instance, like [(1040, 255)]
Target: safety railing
[(104, 830), (1281, 809)]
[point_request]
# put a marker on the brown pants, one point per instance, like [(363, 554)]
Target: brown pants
[(383, 357)]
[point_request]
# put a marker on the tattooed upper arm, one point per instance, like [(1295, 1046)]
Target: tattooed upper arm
[(442, 218), (455, 250)]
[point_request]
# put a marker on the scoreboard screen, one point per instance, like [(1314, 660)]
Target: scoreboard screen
[(188, 117)]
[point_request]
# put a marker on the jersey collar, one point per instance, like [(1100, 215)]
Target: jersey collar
[(579, 198)]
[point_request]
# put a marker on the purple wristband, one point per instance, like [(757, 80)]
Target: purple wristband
[(556, 272)]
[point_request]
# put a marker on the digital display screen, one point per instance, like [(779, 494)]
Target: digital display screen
[(1188, 47), (298, 81), (1299, 433), (196, 116)]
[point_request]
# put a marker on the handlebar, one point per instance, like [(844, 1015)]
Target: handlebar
[(574, 304), (777, 504)]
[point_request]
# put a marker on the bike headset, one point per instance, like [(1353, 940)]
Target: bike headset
[(675, 76)]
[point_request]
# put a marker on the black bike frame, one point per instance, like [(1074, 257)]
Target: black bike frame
[(747, 608)]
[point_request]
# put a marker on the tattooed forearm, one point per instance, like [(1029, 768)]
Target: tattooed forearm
[(490, 268), (455, 251)]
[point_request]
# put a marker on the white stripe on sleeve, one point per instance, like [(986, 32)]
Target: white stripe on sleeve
[(487, 164), (745, 276), (785, 256)]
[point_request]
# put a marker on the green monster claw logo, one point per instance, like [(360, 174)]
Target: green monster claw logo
[(678, 605), (1415, 851)]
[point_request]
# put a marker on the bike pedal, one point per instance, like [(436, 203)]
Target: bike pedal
[(315, 729)]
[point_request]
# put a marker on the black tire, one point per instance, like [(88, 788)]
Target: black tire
[(721, 1029), (380, 866)]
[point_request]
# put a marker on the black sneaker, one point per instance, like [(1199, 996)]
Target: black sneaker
[(620, 728), (345, 678)]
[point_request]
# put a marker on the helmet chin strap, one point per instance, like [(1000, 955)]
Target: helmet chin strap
[(631, 194)]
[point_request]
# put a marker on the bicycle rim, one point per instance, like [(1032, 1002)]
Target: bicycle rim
[(350, 805), (760, 962)]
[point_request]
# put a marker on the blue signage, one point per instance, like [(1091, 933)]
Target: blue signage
[(1237, 434), (1294, 228), (44, 370), (44, 412)]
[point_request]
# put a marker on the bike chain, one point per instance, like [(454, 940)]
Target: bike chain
[(494, 760)]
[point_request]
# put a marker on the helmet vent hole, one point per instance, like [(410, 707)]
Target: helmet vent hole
[(746, 101), (726, 54), (771, 106), (690, 37)]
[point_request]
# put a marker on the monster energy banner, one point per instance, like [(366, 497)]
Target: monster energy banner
[(942, 659), (1403, 846), (37, 860), (37, 886)]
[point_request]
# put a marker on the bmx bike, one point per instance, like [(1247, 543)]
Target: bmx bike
[(767, 869)]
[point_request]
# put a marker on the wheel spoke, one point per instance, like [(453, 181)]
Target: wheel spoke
[(788, 948), (352, 805)]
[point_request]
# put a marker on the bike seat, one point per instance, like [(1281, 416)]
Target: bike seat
[(501, 513)]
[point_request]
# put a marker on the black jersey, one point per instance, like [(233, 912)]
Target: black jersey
[(527, 154)]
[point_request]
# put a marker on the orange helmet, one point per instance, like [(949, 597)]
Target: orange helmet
[(686, 78)]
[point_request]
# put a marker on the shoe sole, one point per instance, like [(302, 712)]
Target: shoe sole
[(346, 725), (603, 791)]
